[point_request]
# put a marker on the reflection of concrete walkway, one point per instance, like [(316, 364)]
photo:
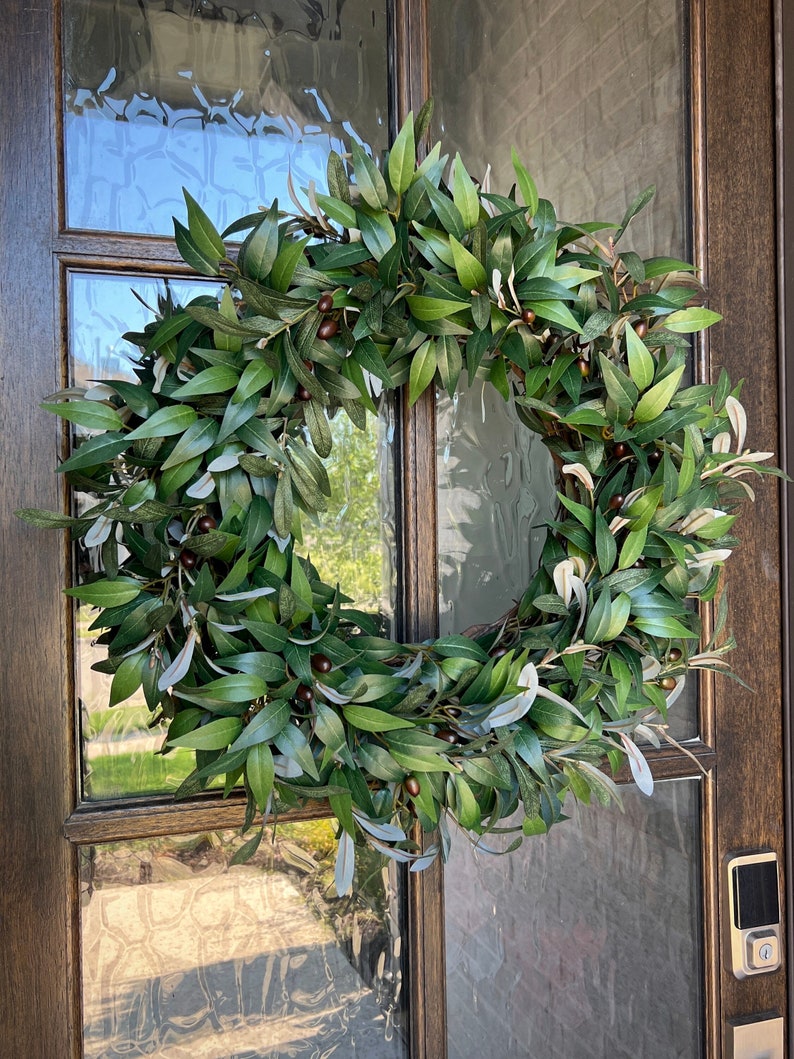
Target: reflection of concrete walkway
[(221, 966)]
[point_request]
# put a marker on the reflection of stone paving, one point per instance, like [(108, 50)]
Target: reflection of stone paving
[(222, 966)]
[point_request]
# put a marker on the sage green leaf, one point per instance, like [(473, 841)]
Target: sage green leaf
[(367, 354), (621, 607), (95, 451), (526, 184), (642, 510), (556, 313), (423, 368), (632, 547), (418, 752), (341, 212), (685, 321), (106, 593), (260, 247), (665, 626), (319, 428), (369, 719), (380, 763), (215, 735), (202, 231), (264, 725), (402, 157), (260, 773), (468, 811), (336, 174), (423, 118), (238, 687), (191, 255), (196, 440), (655, 401), (377, 232), (292, 742), (286, 262), (641, 363), (661, 266), (597, 324), (93, 415), (599, 618), (619, 386), (127, 678), (217, 379), (35, 516), (634, 265), (329, 728), (425, 308), (606, 548), (446, 211), (470, 272), (282, 505), (369, 180), (483, 771), (449, 361), (248, 848), (636, 207), (255, 377), (464, 194), (165, 422)]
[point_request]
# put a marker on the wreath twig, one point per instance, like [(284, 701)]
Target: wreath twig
[(199, 476)]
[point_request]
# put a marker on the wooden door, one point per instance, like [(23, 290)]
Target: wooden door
[(50, 830)]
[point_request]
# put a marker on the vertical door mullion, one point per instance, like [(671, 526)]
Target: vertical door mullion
[(418, 573)]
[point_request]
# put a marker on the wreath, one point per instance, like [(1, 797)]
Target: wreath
[(200, 473)]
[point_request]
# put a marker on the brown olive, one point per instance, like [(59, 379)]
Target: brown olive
[(640, 564), (620, 450), (616, 501), (321, 663), (308, 365), (655, 456), (453, 711), (641, 329), (528, 316), (326, 303), (498, 652), (667, 683), (584, 366), (447, 735), (303, 394), (206, 523), (675, 654), (413, 786), (327, 329), (303, 693), (188, 559)]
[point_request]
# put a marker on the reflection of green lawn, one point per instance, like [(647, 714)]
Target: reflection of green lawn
[(115, 775), (121, 720)]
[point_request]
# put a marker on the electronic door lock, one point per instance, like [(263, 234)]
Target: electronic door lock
[(752, 897)]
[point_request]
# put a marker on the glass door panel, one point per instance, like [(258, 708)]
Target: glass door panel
[(566, 947), (226, 100), (186, 959)]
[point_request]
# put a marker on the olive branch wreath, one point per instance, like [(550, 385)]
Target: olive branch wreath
[(199, 474)]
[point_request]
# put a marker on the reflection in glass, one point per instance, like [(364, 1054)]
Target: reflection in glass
[(495, 495), (184, 957), (223, 99), (353, 542), (583, 943)]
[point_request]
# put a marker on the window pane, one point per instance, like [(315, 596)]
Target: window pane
[(352, 542), (186, 958), (584, 943), (595, 100), (223, 99)]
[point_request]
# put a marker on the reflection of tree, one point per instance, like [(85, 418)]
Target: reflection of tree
[(347, 544)]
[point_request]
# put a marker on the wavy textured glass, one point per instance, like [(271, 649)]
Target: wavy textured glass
[(353, 542), (594, 97), (581, 944), (186, 958), (225, 99)]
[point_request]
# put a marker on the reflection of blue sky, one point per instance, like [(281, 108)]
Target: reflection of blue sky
[(102, 308), (126, 175)]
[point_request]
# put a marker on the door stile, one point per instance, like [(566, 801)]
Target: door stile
[(742, 270)]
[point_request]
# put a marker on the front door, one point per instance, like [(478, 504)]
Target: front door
[(123, 931)]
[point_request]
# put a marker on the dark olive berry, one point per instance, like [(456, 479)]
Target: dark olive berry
[(667, 683), (583, 366), (498, 652), (452, 711), (321, 663), (528, 316), (326, 303), (413, 786), (206, 523), (308, 365), (447, 735), (640, 564), (327, 329), (303, 394), (303, 693), (620, 450), (616, 501), (654, 456), (188, 559), (641, 329), (675, 654)]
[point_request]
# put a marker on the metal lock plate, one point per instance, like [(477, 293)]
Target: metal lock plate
[(751, 891), (759, 1038)]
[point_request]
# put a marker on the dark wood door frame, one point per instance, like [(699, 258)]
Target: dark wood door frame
[(742, 226)]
